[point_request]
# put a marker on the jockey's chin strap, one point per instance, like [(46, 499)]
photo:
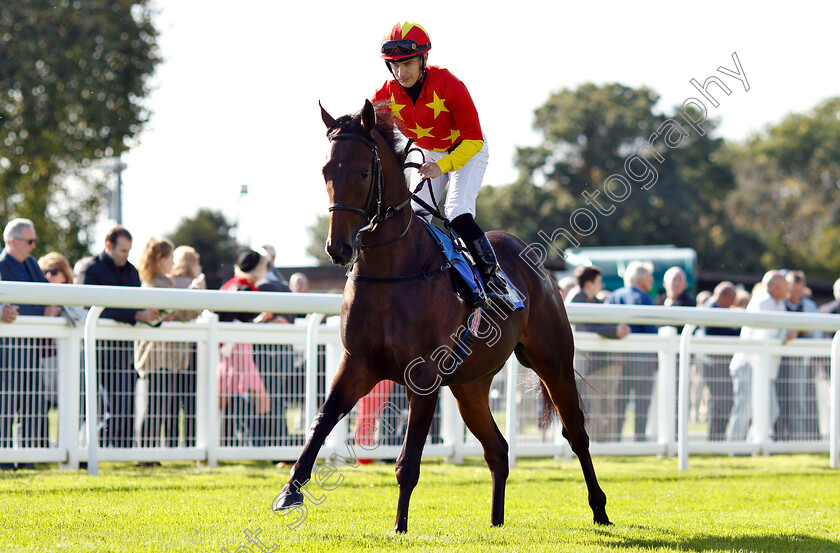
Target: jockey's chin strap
[(377, 183)]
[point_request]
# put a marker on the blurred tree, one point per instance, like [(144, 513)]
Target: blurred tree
[(521, 208), (789, 190), (589, 134), (318, 232), (212, 235), (72, 78)]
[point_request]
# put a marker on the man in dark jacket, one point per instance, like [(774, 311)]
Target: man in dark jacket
[(115, 358), (21, 391)]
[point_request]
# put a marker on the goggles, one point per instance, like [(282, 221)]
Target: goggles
[(404, 46)]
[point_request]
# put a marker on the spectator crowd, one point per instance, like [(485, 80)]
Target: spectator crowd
[(146, 389), (722, 384)]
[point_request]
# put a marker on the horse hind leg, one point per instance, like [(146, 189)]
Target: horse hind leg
[(475, 410), (555, 367)]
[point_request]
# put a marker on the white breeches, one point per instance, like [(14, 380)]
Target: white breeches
[(463, 184)]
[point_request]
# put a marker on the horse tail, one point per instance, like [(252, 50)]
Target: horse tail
[(549, 412)]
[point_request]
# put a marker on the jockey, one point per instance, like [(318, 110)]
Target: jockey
[(430, 105)]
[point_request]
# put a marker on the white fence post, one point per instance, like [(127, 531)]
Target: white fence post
[(666, 393), (452, 427), (92, 390), (762, 405), (337, 439), (512, 367), (557, 438), (311, 386), (207, 391), (834, 424), (684, 395), (68, 358)]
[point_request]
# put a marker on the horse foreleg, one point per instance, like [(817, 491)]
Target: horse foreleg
[(475, 410), (421, 410), (350, 384)]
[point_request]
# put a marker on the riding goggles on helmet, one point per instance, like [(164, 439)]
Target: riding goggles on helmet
[(404, 46)]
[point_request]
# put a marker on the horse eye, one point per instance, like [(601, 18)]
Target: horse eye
[(365, 173)]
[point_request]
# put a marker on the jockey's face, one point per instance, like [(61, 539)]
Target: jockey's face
[(407, 72)]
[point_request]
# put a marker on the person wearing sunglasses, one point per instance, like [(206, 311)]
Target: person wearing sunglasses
[(21, 390), (434, 108), (56, 268), (18, 264)]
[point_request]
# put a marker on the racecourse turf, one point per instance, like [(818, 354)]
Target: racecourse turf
[(783, 503)]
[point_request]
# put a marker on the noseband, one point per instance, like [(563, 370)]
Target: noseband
[(378, 216)]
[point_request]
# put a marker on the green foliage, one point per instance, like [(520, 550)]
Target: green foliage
[(760, 504), (789, 190), (318, 233), (520, 208), (72, 79), (589, 135), (212, 235)]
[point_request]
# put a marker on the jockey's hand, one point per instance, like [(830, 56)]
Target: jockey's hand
[(430, 170)]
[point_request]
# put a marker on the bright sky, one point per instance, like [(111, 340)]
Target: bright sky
[(236, 100)]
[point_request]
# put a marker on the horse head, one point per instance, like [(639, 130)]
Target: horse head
[(353, 175)]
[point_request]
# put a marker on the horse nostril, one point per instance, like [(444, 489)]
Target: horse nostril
[(340, 254), (331, 252)]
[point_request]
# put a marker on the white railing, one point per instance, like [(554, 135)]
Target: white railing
[(312, 341)]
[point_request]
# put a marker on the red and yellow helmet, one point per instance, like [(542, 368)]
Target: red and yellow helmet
[(405, 40)]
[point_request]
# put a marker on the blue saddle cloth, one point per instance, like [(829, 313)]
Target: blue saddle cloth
[(464, 270)]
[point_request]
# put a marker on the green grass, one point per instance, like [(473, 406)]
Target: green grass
[(764, 504)]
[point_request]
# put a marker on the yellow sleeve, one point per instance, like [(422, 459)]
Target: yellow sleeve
[(460, 155)]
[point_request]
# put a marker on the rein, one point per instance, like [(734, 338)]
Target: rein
[(380, 216)]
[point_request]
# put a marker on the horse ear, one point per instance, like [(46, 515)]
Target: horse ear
[(368, 117), (326, 117)]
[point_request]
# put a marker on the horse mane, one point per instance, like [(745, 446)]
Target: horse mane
[(384, 126)]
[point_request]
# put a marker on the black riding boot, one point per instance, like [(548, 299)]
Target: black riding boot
[(494, 283)]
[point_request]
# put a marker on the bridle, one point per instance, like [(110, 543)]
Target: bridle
[(379, 216)]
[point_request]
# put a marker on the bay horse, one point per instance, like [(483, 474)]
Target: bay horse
[(398, 309)]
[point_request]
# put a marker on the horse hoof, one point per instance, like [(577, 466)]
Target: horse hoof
[(605, 522), (400, 529), (602, 519), (287, 499)]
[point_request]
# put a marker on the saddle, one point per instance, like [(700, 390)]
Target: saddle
[(466, 280)]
